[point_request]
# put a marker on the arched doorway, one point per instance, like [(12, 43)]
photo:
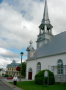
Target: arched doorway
[(30, 74)]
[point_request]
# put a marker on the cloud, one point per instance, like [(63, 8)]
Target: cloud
[(19, 21), (4, 62), (14, 28), (6, 53)]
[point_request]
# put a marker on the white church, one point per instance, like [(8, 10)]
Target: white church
[(50, 53)]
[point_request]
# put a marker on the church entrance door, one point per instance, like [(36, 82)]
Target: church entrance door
[(30, 74)]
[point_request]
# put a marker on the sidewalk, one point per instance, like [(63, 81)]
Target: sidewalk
[(18, 80), (11, 86)]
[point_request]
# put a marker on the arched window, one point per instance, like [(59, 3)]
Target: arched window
[(38, 66), (30, 69), (60, 66)]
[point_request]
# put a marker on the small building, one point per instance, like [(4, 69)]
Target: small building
[(50, 52), (11, 69), (2, 72)]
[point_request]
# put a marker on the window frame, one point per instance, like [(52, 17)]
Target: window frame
[(59, 67), (38, 66)]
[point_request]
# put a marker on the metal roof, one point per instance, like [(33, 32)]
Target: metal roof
[(56, 46), (13, 64)]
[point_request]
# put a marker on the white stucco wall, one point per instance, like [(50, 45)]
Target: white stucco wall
[(46, 63)]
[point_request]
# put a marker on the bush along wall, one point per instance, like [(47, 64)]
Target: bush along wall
[(41, 78)]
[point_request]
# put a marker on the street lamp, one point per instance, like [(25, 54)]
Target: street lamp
[(21, 61)]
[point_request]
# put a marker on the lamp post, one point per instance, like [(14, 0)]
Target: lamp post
[(21, 61)]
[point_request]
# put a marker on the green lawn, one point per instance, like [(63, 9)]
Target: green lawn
[(30, 85)]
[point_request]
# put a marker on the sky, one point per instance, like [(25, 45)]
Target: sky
[(19, 23)]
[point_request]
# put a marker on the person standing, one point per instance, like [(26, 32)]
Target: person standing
[(15, 79)]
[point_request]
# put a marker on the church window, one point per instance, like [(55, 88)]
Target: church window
[(60, 66), (38, 66), (30, 69)]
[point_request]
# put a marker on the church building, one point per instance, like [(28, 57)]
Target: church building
[(50, 53)]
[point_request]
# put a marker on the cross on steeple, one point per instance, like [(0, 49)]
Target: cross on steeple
[(30, 42)]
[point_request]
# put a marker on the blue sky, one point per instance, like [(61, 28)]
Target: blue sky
[(1, 1), (19, 21)]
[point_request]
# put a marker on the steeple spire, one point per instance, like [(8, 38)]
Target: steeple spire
[(45, 15)]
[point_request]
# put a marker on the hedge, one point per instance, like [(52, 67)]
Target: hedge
[(41, 79)]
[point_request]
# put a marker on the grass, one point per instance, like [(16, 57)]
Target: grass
[(30, 85)]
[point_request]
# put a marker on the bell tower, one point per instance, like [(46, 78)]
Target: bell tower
[(30, 50), (45, 29)]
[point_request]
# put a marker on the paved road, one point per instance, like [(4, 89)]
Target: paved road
[(3, 86)]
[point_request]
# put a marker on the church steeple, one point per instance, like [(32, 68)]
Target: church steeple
[(45, 24), (45, 15), (45, 28)]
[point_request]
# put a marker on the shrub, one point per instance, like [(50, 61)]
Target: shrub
[(41, 79), (5, 75)]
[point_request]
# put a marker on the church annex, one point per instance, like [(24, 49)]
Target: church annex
[(50, 53)]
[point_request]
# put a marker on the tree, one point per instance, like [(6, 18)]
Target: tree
[(23, 72)]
